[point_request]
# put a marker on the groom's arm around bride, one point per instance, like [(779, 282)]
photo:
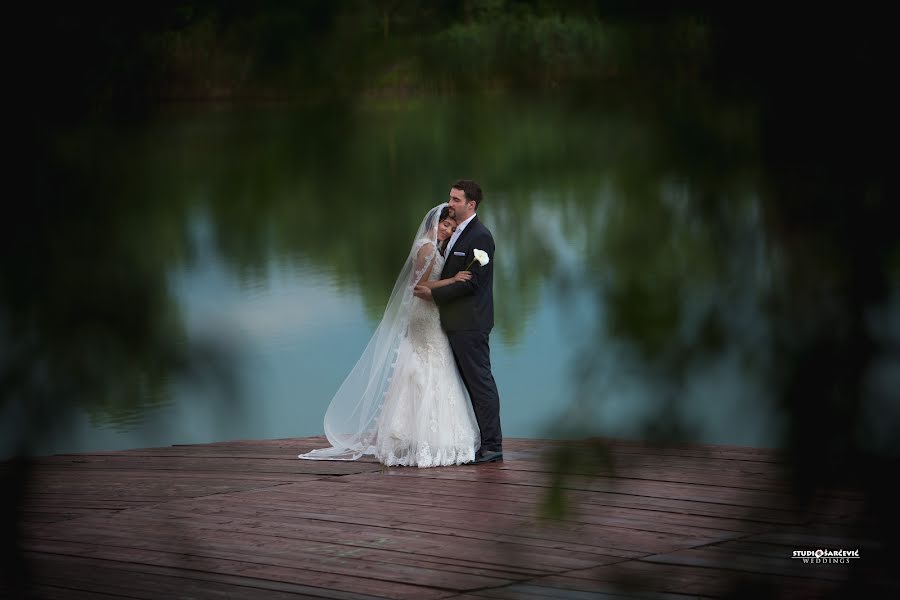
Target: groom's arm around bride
[(468, 305)]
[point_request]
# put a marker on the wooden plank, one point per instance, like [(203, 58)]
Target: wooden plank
[(495, 519), (54, 496), (662, 582), (650, 488), (136, 486), (81, 564), (287, 464), (545, 460), (642, 577), (522, 502), (607, 541), (634, 447), (65, 475), (818, 536), (65, 592), (142, 530), (343, 540), (720, 558), (245, 518), (401, 547), (466, 490), (151, 582), (358, 582), (442, 546), (538, 592)]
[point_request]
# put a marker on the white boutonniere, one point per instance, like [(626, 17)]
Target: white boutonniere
[(480, 256)]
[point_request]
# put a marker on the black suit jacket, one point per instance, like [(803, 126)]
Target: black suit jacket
[(468, 305)]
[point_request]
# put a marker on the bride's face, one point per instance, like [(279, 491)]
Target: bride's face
[(445, 229)]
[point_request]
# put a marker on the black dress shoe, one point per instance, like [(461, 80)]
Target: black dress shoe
[(487, 456)]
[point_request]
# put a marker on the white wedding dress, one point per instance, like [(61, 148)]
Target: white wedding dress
[(404, 401), (427, 419)]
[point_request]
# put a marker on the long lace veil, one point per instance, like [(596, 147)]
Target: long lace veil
[(351, 419)]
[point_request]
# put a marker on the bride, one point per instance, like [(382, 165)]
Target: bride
[(404, 402)]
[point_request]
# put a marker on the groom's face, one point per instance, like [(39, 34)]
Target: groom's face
[(460, 208)]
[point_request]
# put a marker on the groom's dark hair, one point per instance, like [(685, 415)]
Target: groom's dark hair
[(471, 189)]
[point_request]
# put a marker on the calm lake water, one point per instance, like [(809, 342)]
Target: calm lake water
[(632, 265)]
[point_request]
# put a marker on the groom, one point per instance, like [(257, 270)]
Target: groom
[(467, 313)]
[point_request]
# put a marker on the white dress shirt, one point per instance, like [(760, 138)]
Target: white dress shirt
[(456, 234)]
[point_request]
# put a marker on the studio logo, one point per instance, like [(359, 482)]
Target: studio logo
[(820, 556)]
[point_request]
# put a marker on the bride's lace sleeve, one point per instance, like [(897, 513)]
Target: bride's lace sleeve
[(424, 261)]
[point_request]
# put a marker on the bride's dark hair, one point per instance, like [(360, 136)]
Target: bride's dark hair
[(430, 224)]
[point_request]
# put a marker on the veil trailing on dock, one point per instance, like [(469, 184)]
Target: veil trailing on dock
[(351, 421)]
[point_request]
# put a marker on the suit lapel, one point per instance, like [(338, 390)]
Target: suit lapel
[(466, 232)]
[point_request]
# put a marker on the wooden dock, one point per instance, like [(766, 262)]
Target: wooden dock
[(248, 520)]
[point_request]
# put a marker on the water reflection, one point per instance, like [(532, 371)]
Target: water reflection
[(632, 261), (682, 341)]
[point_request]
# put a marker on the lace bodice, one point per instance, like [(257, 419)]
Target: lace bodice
[(425, 331), (438, 267)]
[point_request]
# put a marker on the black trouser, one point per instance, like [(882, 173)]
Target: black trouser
[(473, 358)]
